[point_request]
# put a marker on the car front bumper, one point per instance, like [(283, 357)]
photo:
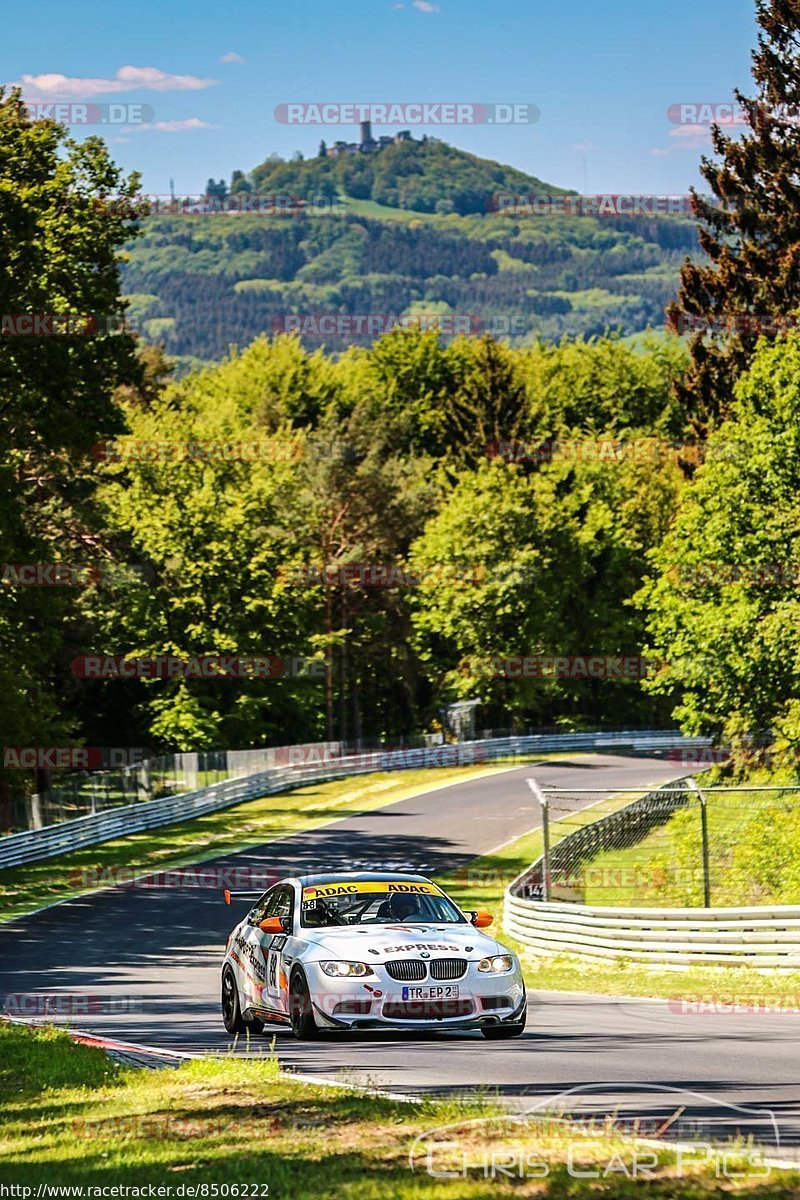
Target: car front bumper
[(378, 1001)]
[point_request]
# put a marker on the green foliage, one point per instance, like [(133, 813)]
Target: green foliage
[(409, 229), (390, 467), (722, 603), (749, 230), (59, 253)]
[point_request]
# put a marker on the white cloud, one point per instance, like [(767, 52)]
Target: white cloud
[(182, 126), (692, 137), (688, 137), (232, 57), (582, 147), (425, 6), (126, 79), (186, 126)]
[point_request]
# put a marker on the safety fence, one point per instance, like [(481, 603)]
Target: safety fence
[(679, 840), (313, 767), (84, 793)]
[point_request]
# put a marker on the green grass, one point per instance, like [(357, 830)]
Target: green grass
[(383, 212), (25, 888), (754, 854), (483, 882), (69, 1117)]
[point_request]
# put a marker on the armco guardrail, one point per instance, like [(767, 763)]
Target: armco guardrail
[(756, 937), (35, 844), (752, 936)]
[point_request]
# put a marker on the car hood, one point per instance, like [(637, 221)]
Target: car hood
[(377, 943)]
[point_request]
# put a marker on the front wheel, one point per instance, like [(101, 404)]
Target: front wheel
[(496, 1033), (300, 1010)]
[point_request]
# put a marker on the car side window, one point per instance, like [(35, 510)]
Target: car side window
[(262, 908), (284, 904)]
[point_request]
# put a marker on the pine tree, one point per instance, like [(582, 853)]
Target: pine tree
[(750, 230)]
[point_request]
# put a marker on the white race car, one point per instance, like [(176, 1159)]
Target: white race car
[(364, 951)]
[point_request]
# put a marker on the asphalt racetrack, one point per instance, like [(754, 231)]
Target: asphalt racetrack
[(156, 952)]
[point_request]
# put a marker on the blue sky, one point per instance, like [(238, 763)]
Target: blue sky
[(602, 72)]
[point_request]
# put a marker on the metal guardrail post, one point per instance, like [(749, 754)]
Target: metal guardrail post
[(540, 796), (704, 839)]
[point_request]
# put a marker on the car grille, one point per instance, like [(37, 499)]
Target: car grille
[(448, 968), (406, 969), (426, 1010), (496, 1002)]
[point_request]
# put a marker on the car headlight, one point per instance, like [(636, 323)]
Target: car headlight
[(498, 964), (341, 969)]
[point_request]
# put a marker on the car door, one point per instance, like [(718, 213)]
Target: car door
[(277, 951), (248, 953)]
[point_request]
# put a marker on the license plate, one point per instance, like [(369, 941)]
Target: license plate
[(448, 991)]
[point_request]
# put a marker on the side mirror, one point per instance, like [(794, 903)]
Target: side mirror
[(271, 925), (481, 919)]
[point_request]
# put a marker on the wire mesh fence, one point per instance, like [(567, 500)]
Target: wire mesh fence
[(677, 846), (82, 793)]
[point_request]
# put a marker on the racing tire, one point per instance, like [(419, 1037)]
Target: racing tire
[(232, 1017), (509, 1029), (498, 1032), (301, 1012)]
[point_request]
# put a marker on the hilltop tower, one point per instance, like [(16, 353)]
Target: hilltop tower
[(367, 140)]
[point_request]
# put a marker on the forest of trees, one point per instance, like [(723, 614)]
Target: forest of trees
[(571, 498)]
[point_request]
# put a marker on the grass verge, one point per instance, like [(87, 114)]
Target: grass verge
[(69, 1117), (28, 887), (754, 852)]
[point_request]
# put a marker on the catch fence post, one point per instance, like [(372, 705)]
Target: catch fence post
[(543, 801), (704, 838)]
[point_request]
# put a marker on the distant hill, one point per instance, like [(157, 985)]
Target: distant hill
[(425, 177), (404, 230)]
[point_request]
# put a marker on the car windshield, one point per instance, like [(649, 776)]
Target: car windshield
[(329, 905)]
